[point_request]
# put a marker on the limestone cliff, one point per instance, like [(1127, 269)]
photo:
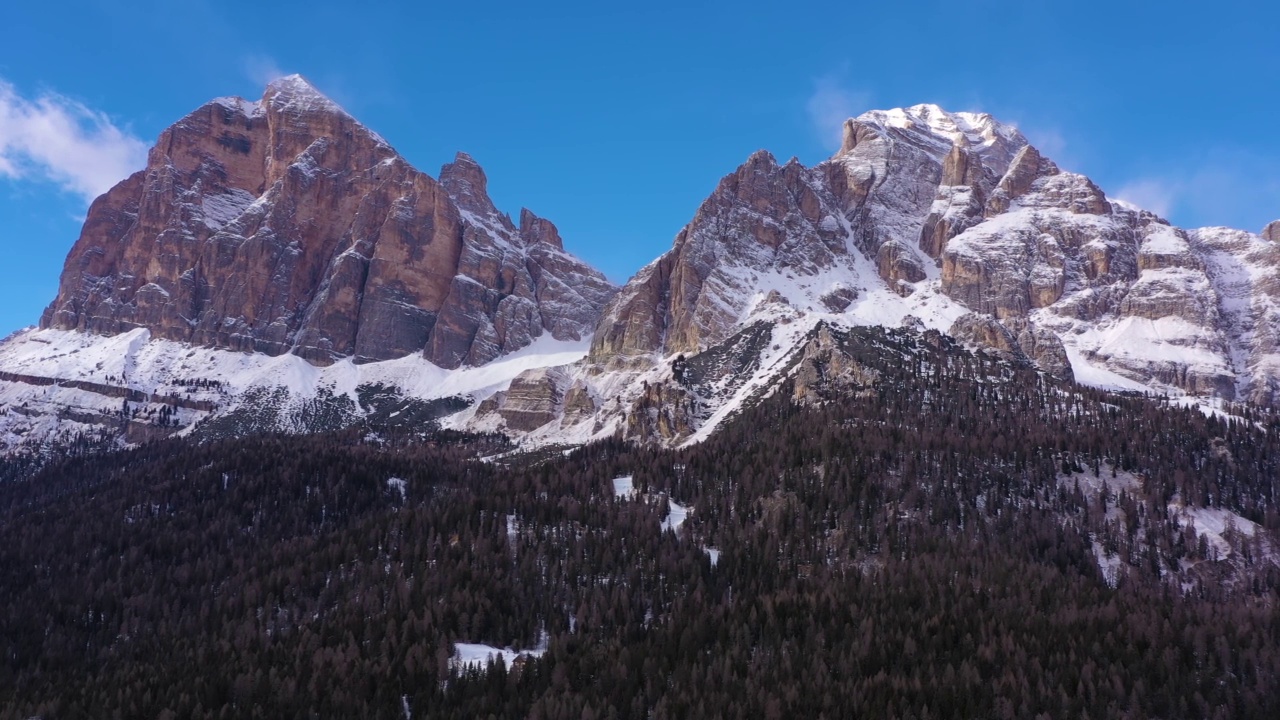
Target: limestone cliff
[(285, 226)]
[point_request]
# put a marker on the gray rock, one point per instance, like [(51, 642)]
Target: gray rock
[(1017, 339)]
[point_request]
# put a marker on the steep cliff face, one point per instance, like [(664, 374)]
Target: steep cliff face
[(285, 226), (956, 213), (814, 234)]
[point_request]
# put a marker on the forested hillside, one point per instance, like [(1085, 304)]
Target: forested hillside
[(955, 535)]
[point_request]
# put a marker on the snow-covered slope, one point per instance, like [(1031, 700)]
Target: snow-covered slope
[(924, 218), (56, 383), (950, 221)]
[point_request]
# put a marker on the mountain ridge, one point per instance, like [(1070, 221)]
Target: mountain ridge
[(926, 219)]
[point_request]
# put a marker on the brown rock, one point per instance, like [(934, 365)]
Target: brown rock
[(985, 331), (663, 413), (535, 398), (839, 299), (579, 405), (963, 211), (1042, 347), (959, 167), (763, 216), (284, 225), (898, 267), (1027, 167)]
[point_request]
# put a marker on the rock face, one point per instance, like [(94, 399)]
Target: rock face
[(285, 226), (534, 398), (957, 213), (824, 370), (1015, 338), (769, 224)]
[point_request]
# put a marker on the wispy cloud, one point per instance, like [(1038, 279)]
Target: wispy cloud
[(262, 69), (1224, 188), (1050, 142), (1155, 194), (831, 103), (54, 138)]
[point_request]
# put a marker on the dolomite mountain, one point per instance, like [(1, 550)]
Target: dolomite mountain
[(279, 266), (285, 226), (940, 221), (955, 212)]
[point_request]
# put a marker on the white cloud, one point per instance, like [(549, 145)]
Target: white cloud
[(830, 104), (1156, 195), (55, 138)]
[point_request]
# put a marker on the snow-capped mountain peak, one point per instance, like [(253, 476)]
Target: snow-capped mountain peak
[(928, 219)]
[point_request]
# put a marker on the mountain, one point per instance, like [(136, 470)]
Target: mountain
[(837, 450), (285, 226), (279, 267), (951, 221), (958, 213)]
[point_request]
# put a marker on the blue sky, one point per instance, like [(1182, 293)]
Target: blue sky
[(615, 120)]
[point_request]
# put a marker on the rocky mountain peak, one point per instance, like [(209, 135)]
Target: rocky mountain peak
[(296, 93), (467, 184), (464, 177), (929, 125), (941, 214), (286, 226), (538, 231)]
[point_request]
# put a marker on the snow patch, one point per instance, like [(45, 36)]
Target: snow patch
[(713, 554), (676, 515), (477, 655), (1109, 564), (1216, 524), (399, 486), (624, 488)]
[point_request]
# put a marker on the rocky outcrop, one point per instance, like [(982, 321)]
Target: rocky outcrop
[(1044, 349), (767, 222), (534, 398), (1016, 339), (579, 404), (825, 371), (985, 331), (285, 226), (759, 217), (1272, 232), (664, 413)]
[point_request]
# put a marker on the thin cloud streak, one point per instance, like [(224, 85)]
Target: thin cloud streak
[(54, 138), (262, 69), (1227, 189), (829, 105), (1153, 194)]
